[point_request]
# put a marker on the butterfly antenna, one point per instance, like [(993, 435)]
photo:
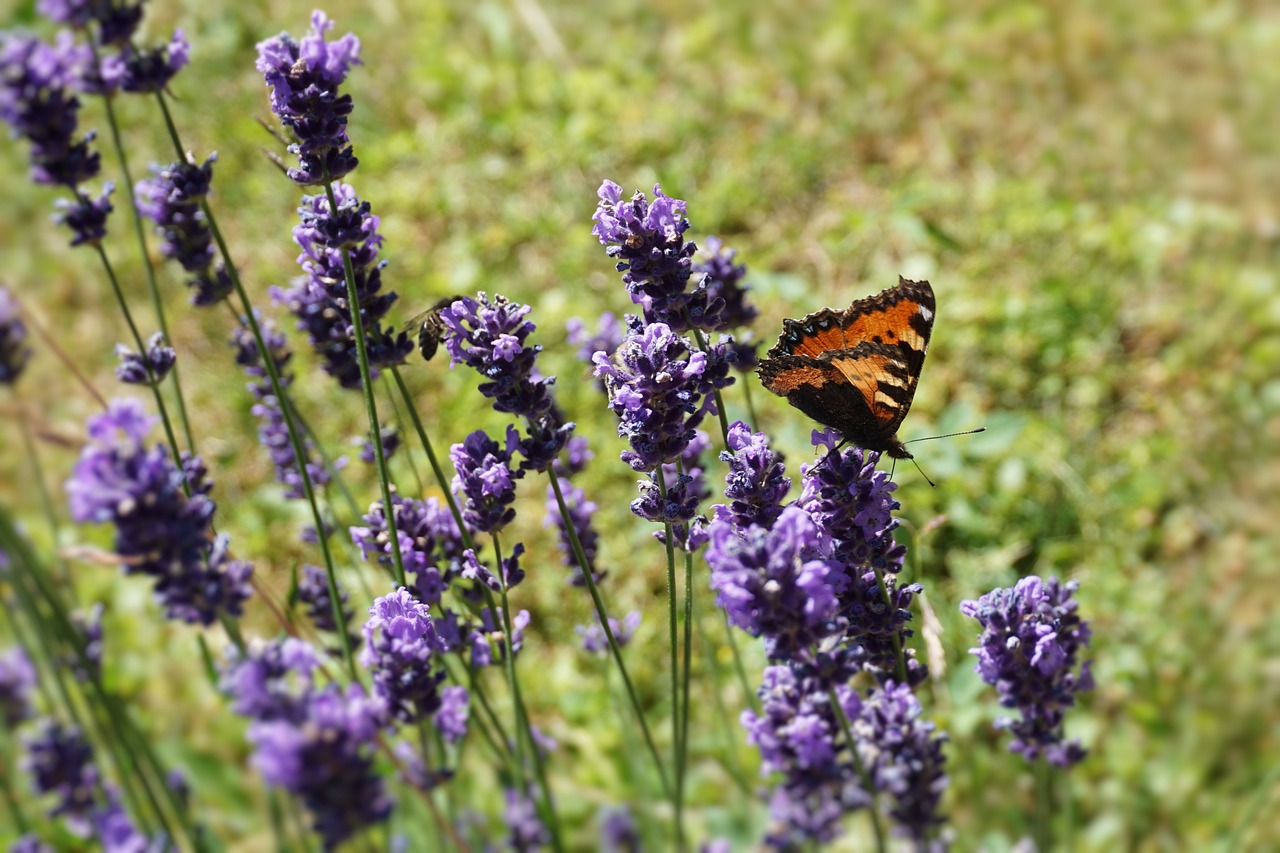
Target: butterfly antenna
[(948, 435), (932, 484), (832, 452)]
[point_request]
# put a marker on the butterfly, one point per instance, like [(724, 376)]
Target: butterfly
[(856, 370), (429, 326)]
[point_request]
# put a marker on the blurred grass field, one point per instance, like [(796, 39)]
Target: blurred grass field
[(1091, 188)]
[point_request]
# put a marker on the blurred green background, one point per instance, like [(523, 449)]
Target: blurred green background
[(1090, 187)]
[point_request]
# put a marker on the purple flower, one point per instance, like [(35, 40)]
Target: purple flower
[(490, 335), (525, 831), (17, 680), (660, 390), (512, 574), (304, 78), (320, 301), (172, 199), (116, 21), (148, 369), (903, 757), (580, 512), (485, 479), (273, 431), (14, 351), (390, 444), (313, 592), (160, 531), (799, 737), (60, 762), (723, 279), (145, 70), (770, 584), (492, 633), (647, 239), (756, 483), (429, 543), (30, 843), (326, 761), (609, 336), (86, 217), (400, 649), (618, 832), (593, 637), (1030, 650), (36, 102), (271, 680), (852, 504), (115, 831), (451, 718)]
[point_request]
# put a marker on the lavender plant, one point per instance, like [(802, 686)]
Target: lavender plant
[(841, 727)]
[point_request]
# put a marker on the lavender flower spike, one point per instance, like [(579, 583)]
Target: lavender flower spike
[(14, 351), (770, 584), (17, 681), (659, 388), (647, 238), (160, 530), (171, 198), (148, 368), (304, 78), (485, 479), (400, 646), (756, 483), (1029, 651)]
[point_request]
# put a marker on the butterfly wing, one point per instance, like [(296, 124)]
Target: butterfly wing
[(856, 370)]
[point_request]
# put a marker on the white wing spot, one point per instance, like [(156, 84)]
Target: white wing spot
[(926, 314)]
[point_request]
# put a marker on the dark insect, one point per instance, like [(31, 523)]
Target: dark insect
[(429, 326)]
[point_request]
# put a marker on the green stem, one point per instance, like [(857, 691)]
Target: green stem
[(46, 501), (295, 438), (677, 745), (395, 407), (140, 234), (751, 403), (366, 386), (614, 649), (441, 480), (720, 412), (142, 351), (688, 652), (867, 782), (1044, 805), (523, 723)]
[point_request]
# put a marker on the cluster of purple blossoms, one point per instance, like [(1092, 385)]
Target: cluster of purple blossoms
[(172, 199), (660, 389), (304, 78), (315, 742), (647, 239), (510, 576), (320, 301), (430, 543), (401, 650), (36, 79), (60, 763), (313, 593), (773, 583), (608, 337), (162, 515), (490, 634), (117, 22), (144, 70), (902, 755), (525, 832), (1030, 649), (486, 479), (852, 503), (130, 68), (618, 831), (17, 680), (724, 284), (149, 368), (390, 437), (273, 431), (490, 335), (593, 637), (756, 483), (580, 512), (800, 736), (14, 351)]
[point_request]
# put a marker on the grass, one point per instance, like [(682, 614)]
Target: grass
[(1087, 186)]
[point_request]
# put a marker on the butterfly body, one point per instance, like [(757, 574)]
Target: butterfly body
[(856, 370)]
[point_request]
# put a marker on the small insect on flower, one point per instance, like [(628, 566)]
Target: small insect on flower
[(429, 326)]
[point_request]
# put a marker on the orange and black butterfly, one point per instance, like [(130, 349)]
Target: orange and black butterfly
[(856, 370)]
